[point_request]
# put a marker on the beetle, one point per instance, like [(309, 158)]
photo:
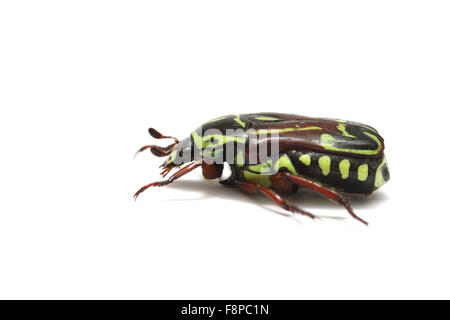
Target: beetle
[(334, 158)]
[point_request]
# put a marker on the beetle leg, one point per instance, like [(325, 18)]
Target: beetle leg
[(166, 171), (323, 190), (157, 135), (173, 177), (252, 188), (212, 171)]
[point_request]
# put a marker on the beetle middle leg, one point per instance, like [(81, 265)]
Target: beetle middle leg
[(322, 190), (252, 188), (172, 178), (280, 184)]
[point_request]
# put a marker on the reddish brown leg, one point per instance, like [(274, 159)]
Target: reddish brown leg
[(212, 171), (280, 184), (166, 170), (324, 191), (173, 177), (251, 188)]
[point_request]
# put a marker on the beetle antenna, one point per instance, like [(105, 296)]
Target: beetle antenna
[(157, 135), (157, 150)]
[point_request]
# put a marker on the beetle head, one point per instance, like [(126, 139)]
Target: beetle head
[(181, 153)]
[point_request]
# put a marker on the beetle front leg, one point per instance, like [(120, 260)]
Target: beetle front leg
[(172, 178), (252, 188), (322, 190)]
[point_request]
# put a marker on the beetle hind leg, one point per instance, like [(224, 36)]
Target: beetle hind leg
[(322, 190), (252, 188)]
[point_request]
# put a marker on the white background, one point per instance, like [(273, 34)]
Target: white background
[(81, 81)]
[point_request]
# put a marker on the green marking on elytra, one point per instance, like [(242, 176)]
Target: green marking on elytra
[(325, 164), (219, 139), (198, 141), (240, 161), (261, 173), (217, 119), (267, 118), (363, 172), (344, 168), (327, 142), (308, 128), (257, 178), (379, 180), (370, 128), (263, 168), (238, 120), (285, 162), (266, 131), (375, 138), (267, 168), (343, 128), (211, 153), (359, 124), (305, 159)]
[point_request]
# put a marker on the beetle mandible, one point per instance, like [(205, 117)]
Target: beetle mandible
[(331, 157)]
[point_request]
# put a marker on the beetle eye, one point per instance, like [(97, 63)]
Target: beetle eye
[(212, 140), (180, 153)]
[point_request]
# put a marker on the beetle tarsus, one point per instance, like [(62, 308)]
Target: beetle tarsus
[(166, 171), (153, 184), (347, 206), (324, 191), (172, 178), (294, 209), (282, 202), (252, 188)]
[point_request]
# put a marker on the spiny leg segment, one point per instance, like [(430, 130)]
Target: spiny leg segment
[(322, 190), (252, 188), (173, 177)]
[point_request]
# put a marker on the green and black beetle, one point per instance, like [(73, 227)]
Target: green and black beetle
[(331, 157)]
